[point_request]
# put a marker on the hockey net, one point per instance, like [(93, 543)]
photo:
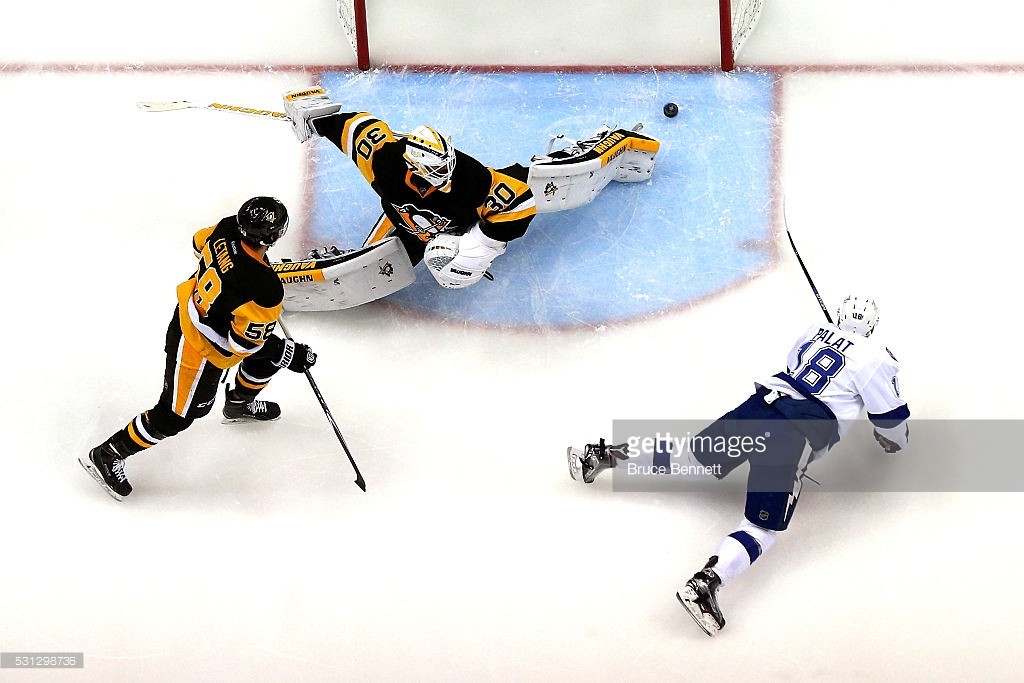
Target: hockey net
[(352, 14), (737, 19)]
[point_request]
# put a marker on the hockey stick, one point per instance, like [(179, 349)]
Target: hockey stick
[(215, 106), (330, 418), (807, 275)]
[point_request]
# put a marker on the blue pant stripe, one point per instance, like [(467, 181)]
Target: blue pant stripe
[(749, 543)]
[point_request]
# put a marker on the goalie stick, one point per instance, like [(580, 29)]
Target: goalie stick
[(807, 275), (330, 418), (176, 105)]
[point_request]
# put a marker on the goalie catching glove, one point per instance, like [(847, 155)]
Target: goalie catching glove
[(285, 353), (461, 261), (304, 106)]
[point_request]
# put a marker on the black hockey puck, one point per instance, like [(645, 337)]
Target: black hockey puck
[(670, 109)]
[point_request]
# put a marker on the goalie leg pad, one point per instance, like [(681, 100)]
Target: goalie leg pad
[(572, 177), (351, 279)]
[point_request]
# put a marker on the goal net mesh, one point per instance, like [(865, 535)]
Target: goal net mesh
[(352, 14), (742, 18)]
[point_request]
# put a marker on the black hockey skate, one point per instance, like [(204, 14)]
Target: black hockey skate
[(107, 468), (253, 410), (699, 597), (594, 459)]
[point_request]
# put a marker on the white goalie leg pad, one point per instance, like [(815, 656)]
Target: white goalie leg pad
[(573, 176), (350, 279)]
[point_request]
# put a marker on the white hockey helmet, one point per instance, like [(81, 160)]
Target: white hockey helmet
[(430, 156), (858, 315)]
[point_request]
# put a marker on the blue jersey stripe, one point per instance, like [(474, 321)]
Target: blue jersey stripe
[(890, 419)]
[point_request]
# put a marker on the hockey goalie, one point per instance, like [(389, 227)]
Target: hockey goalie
[(440, 205)]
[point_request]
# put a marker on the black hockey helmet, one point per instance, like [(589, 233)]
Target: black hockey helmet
[(263, 220)]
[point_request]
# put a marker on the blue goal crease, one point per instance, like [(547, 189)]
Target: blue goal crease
[(638, 249)]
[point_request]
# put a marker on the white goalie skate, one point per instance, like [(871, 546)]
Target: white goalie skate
[(586, 464), (573, 176)]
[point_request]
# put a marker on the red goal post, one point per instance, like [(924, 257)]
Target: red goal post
[(736, 21), (352, 14)]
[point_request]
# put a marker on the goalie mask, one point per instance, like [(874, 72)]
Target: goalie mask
[(430, 156), (857, 315), (263, 220)]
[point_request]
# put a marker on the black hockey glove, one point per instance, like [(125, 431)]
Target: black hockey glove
[(888, 445), (294, 356)]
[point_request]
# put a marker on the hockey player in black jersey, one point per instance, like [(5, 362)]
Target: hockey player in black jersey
[(431, 193), (226, 315)]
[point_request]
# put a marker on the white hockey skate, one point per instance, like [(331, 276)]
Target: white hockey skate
[(586, 464)]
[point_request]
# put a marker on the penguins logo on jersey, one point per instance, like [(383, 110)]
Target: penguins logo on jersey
[(422, 222)]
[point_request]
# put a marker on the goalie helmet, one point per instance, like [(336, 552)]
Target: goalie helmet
[(430, 156), (263, 220), (858, 315)]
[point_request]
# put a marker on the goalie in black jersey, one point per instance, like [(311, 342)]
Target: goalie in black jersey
[(444, 205), (226, 316)]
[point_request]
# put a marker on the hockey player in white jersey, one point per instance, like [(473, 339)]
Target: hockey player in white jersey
[(833, 372)]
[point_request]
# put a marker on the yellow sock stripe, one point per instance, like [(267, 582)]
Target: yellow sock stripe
[(241, 381), (135, 436)]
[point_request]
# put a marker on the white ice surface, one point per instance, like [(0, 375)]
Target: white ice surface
[(247, 554)]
